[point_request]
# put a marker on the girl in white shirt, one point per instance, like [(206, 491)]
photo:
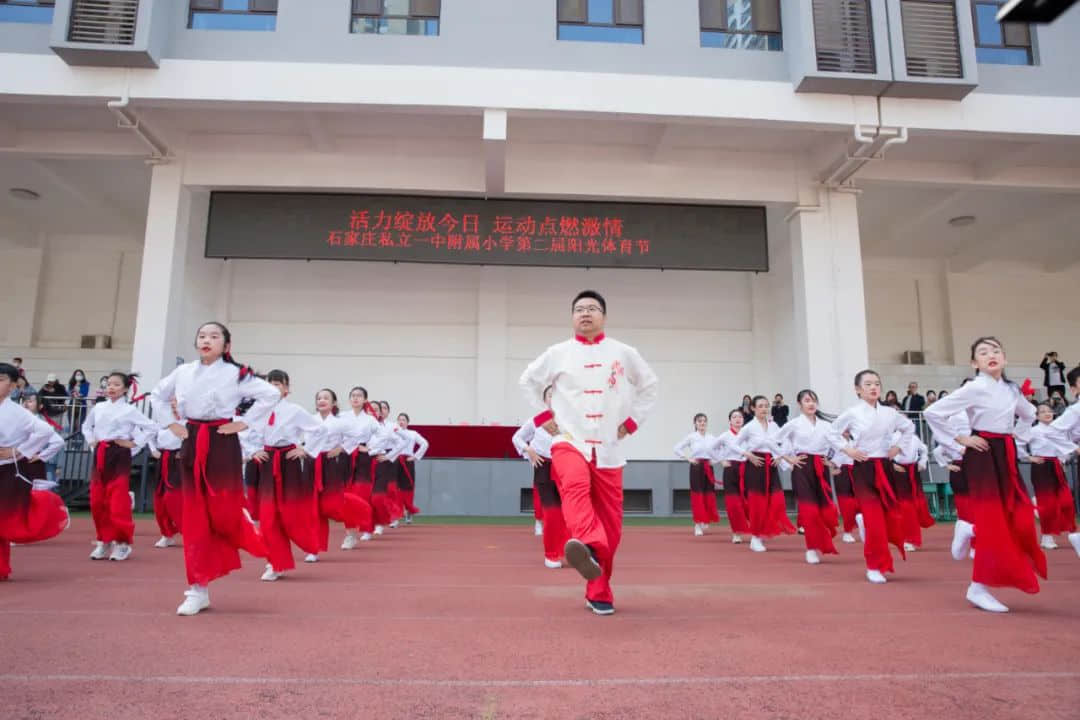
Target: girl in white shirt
[(385, 446), (907, 483), (765, 495), (1048, 449), (696, 449), (534, 444), (416, 448), (844, 489), (288, 501), (725, 452), (26, 515), (865, 434), (207, 393), (169, 495), (806, 447), (333, 474), (360, 426), (115, 430), (951, 457), (1008, 553)]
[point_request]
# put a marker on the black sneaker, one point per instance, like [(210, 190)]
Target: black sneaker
[(600, 607), (582, 558)]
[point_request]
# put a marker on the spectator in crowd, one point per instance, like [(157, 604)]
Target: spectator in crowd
[(1053, 373), (943, 393), (31, 402), (22, 389), (102, 384), (779, 410), (913, 405), (79, 391), (53, 398), (931, 398), (746, 409), (891, 400), (1057, 403), (17, 362)]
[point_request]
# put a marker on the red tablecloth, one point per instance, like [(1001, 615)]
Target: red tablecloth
[(468, 441)]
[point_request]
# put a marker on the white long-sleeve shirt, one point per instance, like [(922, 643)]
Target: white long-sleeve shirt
[(871, 428), (758, 439), (358, 429), (290, 424), (165, 439), (803, 436), (332, 434), (118, 420), (951, 454), (386, 440), (695, 446), (49, 441), (991, 406), (725, 449), (19, 429), (417, 445), (1047, 442), (528, 435), (913, 451), (1068, 423), (211, 392), (597, 386)]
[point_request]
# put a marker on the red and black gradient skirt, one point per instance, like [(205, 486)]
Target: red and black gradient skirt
[(26, 515), (288, 507), (336, 502), (765, 497), (846, 502), (406, 482), (735, 497), (1008, 552), (555, 532), (703, 492), (251, 487), (817, 515), (384, 476), (909, 492), (880, 508), (1057, 511), (959, 486), (110, 504), (214, 524), (169, 494)]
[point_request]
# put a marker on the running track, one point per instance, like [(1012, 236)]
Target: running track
[(451, 621)]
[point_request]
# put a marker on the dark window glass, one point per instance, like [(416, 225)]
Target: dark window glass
[(741, 33), (993, 43), (232, 15), (600, 26), (396, 17)]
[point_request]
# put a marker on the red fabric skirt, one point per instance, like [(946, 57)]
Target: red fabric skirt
[(336, 501), (846, 501), (110, 504), (26, 515), (1008, 552), (735, 497), (817, 515), (1057, 509), (703, 492), (880, 508), (765, 497), (908, 487), (169, 494), (288, 507), (959, 486), (555, 532)]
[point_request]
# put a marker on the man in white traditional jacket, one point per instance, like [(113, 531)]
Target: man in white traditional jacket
[(602, 390)]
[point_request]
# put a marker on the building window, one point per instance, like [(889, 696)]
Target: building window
[(233, 15), (741, 24), (27, 11), (395, 17), (618, 21), (1001, 43)]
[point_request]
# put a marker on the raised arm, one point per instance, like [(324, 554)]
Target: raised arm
[(422, 442), (937, 415), (523, 437), (265, 395), (161, 398), (537, 376)]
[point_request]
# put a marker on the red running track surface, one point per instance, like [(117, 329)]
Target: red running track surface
[(465, 622)]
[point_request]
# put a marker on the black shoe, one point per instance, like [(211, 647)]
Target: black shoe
[(582, 558), (600, 607)]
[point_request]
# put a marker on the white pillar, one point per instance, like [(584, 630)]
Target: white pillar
[(491, 314), (161, 282), (830, 306), (23, 281)]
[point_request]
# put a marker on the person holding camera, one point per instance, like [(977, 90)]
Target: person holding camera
[(1053, 374)]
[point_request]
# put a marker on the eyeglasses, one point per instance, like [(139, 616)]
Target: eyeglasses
[(587, 309)]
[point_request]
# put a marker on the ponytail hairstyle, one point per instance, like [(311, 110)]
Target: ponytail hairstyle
[(128, 379), (703, 416), (361, 389), (226, 355), (244, 406), (827, 417), (549, 388), (277, 376), (333, 400), (989, 340)]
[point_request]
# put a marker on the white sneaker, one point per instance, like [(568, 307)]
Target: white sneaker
[(908, 547), (1074, 540), (349, 543), (1047, 543), (394, 524), (120, 551), (698, 531), (132, 496), (195, 600), (538, 528), (963, 532), (101, 550), (736, 538), (862, 527), (756, 545), (813, 557), (552, 564), (980, 597), (848, 538), (971, 553), (875, 577), (802, 530), (164, 542), (270, 575), (365, 537), (311, 557), (379, 529), (408, 519)]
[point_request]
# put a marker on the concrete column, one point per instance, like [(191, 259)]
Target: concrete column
[(830, 343), (23, 281), (161, 282), (491, 314)]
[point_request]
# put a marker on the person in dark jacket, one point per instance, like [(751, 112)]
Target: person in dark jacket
[(779, 410), (1053, 374)]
